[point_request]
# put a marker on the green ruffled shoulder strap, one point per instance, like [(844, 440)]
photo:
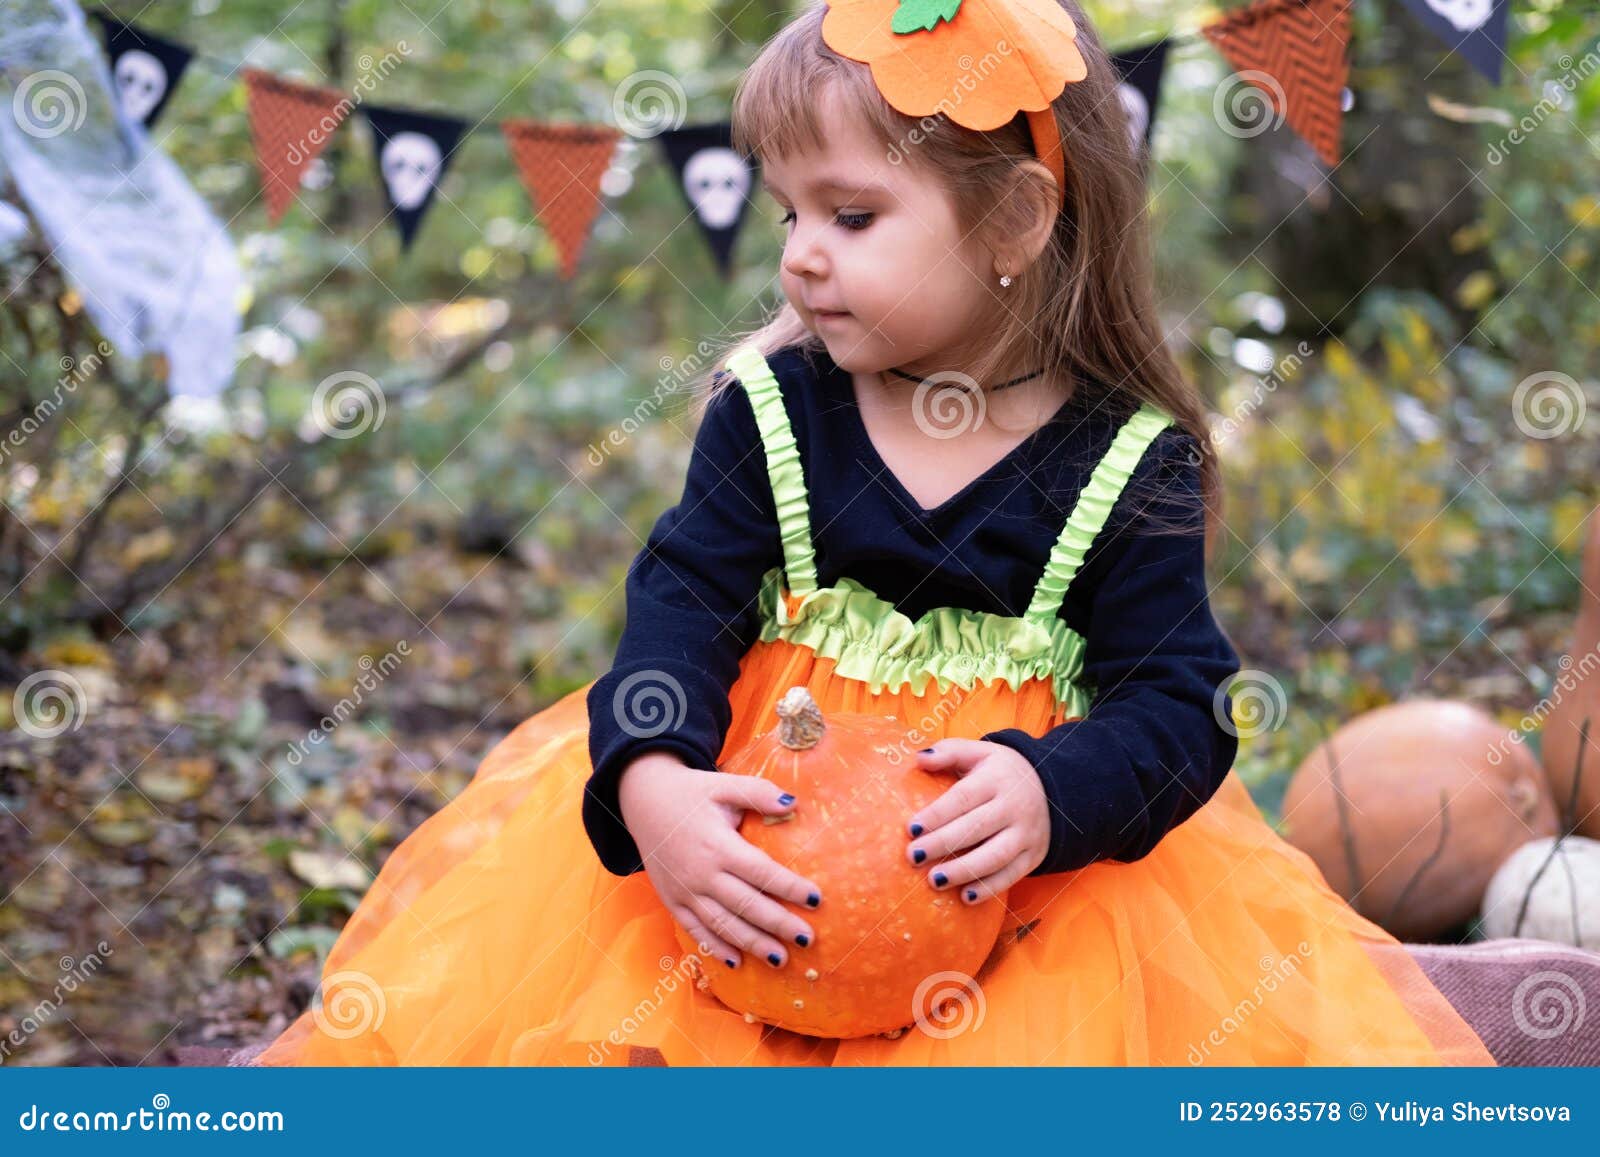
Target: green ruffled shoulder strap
[(783, 466), (1093, 507)]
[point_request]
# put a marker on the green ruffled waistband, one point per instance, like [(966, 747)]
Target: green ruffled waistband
[(868, 639)]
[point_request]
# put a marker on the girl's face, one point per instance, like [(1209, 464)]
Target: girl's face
[(874, 260)]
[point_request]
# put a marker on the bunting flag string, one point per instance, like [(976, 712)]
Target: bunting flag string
[(1293, 51)]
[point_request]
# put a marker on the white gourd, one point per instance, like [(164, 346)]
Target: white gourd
[(1565, 902)]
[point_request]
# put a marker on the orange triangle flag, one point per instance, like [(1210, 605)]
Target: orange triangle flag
[(561, 166), (1294, 51), (290, 124)]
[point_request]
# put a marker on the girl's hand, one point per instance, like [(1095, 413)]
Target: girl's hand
[(717, 885), (997, 809)]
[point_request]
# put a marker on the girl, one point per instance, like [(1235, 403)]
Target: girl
[(957, 479)]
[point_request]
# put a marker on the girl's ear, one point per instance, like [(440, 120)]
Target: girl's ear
[(1029, 219)]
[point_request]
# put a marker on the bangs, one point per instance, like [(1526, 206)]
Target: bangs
[(776, 106)]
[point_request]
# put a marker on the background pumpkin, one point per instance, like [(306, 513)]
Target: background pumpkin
[(1559, 738), (882, 931), (1547, 897), (1410, 808)]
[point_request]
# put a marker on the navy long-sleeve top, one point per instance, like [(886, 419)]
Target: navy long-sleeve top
[(1153, 748)]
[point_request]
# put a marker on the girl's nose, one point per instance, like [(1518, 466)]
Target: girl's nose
[(802, 255)]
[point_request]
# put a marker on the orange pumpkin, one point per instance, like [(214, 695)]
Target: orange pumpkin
[(1576, 700), (887, 943), (1418, 805)]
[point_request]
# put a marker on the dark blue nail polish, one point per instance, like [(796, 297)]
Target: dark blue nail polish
[(812, 900), (940, 879), (918, 855), (802, 939), (774, 959), (786, 799), (925, 751), (729, 963), (972, 894), (916, 829)]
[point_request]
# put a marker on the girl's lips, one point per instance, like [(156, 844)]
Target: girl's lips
[(829, 315)]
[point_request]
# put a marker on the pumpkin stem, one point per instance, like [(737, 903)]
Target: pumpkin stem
[(799, 719)]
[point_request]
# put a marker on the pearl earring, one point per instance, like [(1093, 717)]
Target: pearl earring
[(1005, 281)]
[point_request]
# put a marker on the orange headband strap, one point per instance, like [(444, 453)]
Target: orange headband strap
[(1047, 146)]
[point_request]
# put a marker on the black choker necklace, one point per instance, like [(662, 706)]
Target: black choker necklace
[(990, 390)]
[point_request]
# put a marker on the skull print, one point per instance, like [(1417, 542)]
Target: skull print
[(717, 181), (1465, 15), (141, 83), (410, 164), (1138, 110)]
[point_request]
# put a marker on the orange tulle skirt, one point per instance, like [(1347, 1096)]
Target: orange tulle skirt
[(493, 936)]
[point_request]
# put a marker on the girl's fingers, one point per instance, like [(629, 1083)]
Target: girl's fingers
[(708, 944), (993, 885), (737, 931), (961, 797), (953, 754), (985, 859), (752, 793), (962, 832), (765, 913), (761, 871)]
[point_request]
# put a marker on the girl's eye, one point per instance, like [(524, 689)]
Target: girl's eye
[(855, 222)]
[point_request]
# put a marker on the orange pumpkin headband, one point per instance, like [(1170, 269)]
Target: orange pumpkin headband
[(980, 62)]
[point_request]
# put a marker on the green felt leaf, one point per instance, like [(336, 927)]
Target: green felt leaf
[(922, 15)]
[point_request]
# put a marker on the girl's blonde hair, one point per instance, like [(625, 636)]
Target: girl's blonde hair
[(1086, 309)]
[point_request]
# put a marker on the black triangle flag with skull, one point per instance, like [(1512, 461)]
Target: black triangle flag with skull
[(1474, 28), (413, 150), (716, 182), (144, 68), (1140, 90)]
